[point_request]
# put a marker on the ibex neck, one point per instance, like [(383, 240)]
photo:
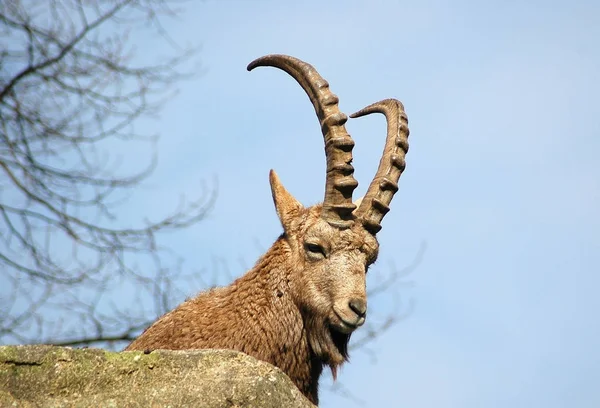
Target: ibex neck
[(286, 346)]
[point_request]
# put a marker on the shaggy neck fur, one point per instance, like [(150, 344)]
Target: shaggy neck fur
[(260, 314)]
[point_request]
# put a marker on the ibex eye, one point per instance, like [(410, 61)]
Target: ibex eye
[(315, 249)]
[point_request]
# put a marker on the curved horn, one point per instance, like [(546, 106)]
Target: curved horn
[(376, 202), (337, 205)]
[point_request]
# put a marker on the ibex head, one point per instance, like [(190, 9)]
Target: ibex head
[(329, 247)]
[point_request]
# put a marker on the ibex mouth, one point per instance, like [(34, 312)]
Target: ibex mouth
[(345, 324), (347, 327)]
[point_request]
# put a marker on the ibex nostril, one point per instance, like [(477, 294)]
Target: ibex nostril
[(359, 307)]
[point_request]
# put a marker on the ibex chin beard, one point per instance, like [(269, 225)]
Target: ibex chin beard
[(327, 341)]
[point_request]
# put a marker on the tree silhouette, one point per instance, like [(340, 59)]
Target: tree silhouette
[(69, 97)]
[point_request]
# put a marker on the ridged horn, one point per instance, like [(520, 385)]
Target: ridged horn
[(376, 202), (340, 183)]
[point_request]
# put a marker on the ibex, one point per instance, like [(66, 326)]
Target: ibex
[(298, 306)]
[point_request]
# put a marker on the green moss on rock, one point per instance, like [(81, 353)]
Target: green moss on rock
[(50, 376)]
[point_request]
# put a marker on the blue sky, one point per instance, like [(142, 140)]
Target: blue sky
[(502, 179)]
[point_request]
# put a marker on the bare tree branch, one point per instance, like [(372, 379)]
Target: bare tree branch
[(69, 99)]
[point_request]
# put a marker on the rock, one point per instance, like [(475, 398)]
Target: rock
[(48, 376)]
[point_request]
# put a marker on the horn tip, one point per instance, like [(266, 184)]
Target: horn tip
[(380, 107), (253, 64), (270, 60)]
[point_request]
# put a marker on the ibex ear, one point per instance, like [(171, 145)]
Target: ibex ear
[(286, 205)]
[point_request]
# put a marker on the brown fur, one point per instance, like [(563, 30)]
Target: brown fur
[(288, 309)]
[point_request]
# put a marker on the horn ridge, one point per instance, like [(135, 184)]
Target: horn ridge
[(340, 183), (375, 204)]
